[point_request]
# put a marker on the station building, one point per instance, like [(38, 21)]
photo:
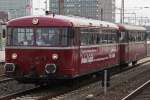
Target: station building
[(95, 9), (16, 8)]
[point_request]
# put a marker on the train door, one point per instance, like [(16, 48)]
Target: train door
[(123, 47), (77, 52)]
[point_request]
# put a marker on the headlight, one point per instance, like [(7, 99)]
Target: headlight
[(14, 56), (55, 56), (50, 68)]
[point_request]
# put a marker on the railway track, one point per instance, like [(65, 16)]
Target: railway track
[(10, 88), (51, 92), (96, 88), (4, 79), (116, 71), (17, 94), (2, 75), (42, 93), (54, 91), (141, 93)]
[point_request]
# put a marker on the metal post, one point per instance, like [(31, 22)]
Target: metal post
[(101, 13), (61, 7), (121, 15), (105, 82), (45, 5), (122, 12), (135, 18)]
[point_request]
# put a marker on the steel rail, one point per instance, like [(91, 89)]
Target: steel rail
[(66, 91), (17, 94), (6, 80), (2, 75), (137, 91)]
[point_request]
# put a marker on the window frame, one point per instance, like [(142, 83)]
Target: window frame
[(100, 35), (70, 36)]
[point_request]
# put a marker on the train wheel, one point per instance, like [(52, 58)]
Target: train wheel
[(134, 63), (39, 84), (125, 65), (122, 66), (73, 83)]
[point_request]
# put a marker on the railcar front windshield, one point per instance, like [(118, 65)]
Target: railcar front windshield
[(39, 36)]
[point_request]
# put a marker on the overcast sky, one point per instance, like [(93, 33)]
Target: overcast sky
[(38, 4), (135, 5)]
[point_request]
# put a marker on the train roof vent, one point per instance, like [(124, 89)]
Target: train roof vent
[(90, 24)]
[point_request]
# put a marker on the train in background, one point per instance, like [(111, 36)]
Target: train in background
[(55, 47)]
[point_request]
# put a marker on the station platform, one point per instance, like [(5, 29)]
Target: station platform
[(2, 56)]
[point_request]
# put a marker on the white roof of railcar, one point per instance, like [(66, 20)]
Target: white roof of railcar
[(78, 21), (81, 21), (132, 27)]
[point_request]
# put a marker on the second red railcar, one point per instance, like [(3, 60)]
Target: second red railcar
[(132, 43)]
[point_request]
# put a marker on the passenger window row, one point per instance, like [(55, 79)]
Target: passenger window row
[(97, 36)]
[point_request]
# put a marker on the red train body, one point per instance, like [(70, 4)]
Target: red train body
[(74, 47), (133, 43)]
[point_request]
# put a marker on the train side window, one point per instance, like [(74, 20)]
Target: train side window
[(147, 35), (138, 39), (104, 37), (71, 37), (9, 30), (132, 36), (122, 37), (113, 38), (137, 35), (98, 39), (88, 36), (64, 37), (4, 33), (142, 36), (84, 37), (92, 36), (109, 37)]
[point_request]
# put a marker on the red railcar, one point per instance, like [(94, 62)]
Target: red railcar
[(59, 47), (132, 43)]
